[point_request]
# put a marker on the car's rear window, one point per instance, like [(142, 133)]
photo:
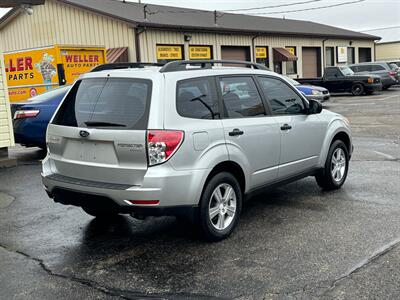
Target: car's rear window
[(107, 103), (50, 94)]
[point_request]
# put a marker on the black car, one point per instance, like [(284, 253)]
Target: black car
[(342, 79)]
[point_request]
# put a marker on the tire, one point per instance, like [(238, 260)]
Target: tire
[(328, 179), (100, 211), (357, 89), (225, 212)]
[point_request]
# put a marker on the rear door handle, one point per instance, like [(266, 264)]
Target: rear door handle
[(235, 132), (286, 127)]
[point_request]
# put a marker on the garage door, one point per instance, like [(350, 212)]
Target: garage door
[(235, 53), (311, 62)]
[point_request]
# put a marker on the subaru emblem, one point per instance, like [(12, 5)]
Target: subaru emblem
[(84, 133)]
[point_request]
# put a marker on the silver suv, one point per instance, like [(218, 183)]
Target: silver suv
[(190, 139)]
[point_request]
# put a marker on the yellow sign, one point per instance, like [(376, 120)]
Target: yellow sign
[(77, 62), (292, 50), (32, 72), (169, 52), (200, 52), (261, 52)]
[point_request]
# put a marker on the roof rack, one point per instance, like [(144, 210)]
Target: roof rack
[(180, 65), (124, 65)]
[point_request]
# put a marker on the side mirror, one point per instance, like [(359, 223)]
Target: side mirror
[(315, 107)]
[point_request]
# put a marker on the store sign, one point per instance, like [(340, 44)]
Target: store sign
[(292, 50), (341, 54), (261, 52), (169, 52), (200, 52)]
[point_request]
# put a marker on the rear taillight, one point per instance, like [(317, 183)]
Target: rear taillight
[(392, 73), (23, 114), (162, 144)]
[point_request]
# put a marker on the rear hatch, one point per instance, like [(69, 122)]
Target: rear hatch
[(99, 132)]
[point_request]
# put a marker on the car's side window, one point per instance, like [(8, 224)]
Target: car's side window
[(377, 68), (281, 98), (197, 98), (241, 97)]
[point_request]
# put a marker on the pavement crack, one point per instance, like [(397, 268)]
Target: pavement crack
[(114, 292), (82, 281), (364, 263)]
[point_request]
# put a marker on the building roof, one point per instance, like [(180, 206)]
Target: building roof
[(158, 16), (13, 3)]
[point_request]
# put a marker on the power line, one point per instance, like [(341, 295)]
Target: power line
[(272, 6), (312, 8), (382, 28)]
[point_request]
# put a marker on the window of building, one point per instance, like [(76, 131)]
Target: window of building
[(200, 52), (166, 53), (329, 56), (262, 56), (241, 98), (197, 98), (350, 55), (291, 66), (281, 98), (364, 54)]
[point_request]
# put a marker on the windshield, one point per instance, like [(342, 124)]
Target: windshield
[(50, 94), (346, 70), (292, 81), (102, 102)]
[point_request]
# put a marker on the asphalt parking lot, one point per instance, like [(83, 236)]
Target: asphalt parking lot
[(295, 242)]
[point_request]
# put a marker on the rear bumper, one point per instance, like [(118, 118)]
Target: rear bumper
[(29, 133), (172, 188)]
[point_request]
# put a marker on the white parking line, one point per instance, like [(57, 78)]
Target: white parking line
[(385, 155)]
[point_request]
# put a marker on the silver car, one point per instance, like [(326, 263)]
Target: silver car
[(383, 69), (190, 139)]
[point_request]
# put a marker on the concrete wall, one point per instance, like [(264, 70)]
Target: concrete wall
[(6, 131), (57, 23), (388, 51)]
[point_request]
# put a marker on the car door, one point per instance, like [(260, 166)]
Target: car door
[(335, 81), (252, 136), (302, 134)]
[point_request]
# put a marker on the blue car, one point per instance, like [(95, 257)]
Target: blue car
[(311, 91), (30, 118)]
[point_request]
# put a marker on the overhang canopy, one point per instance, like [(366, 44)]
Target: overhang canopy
[(15, 3), (281, 54), (117, 54)]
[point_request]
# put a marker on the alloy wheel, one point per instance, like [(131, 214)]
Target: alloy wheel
[(338, 165), (222, 206)]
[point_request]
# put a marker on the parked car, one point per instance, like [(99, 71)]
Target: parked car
[(396, 62), (30, 118), (342, 79), (311, 91), (396, 69), (382, 69), (194, 142)]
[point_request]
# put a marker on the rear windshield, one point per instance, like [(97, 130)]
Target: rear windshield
[(50, 94), (107, 103)]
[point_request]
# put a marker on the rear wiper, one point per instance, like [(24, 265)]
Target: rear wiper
[(103, 124)]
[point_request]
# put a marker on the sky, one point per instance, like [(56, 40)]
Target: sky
[(361, 16)]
